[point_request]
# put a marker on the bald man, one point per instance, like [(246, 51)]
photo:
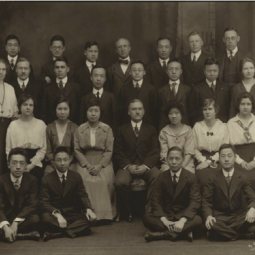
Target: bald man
[(119, 72)]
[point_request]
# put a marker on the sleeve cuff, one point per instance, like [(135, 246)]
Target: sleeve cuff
[(147, 167), (238, 160), (36, 162), (3, 223), (55, 211), (125, 168)]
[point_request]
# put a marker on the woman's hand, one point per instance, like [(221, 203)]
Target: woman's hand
[(29, 167), (251, 165), (202, 165), (94, 170), (244, 165)]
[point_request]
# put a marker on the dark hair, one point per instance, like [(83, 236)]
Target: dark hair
[(243, 96), (12, 37), (137, 61), (62, 100), (195, 33), (227, 146), (211, 61), (93, 102), (90, 44), (174, 60), (209, 101), (18, 151), (57, 38), (61, 149), (98, 66), (135, 101), (230, 29), (176, 148), (62, 59), (174, 104), (164, 38), (245, 60), (23, 98), (19, 60)]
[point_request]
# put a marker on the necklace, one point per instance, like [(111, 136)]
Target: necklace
[(2, 104)]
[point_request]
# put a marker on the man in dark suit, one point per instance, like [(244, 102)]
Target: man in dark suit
[(140, 89), (65, 206), (229, 61), (57, 48), (108, 102), (156, 71), (175, 201), (210, 88), (136, 153), (18, 200), (193, 63), (60, 87), (119, 72), (12, 47), (174, 90), (222, 200)]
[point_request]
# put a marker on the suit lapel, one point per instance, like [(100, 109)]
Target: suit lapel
[(103, 100), (180, 92), (168, 183), (56, 182), (87, 72), (118, 70), (9, 189), (69, 182), (159, 68), (131, 133), (234, 184), (68, 89), (189, 63), (222, 183), (181, 183), (199, 63), (56, 90), (167, 92), (142, 133), (22, 190), (143, 90)]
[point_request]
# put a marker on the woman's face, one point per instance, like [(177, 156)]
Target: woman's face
[(93, 114), (27, 108), (209, 112), (63, 111), (248, 70), (175, 116), (2, 71), (245, 106)]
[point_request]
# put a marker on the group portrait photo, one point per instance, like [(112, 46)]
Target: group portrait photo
[(127, 127)]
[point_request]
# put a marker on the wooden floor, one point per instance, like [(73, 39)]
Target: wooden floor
[(122, 238)]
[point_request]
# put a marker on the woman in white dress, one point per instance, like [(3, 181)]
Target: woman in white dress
[(8, 111), (29, 133)]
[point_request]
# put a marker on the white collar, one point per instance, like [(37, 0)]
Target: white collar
[(100, 91), (139, 82), (252, 118), (197, 54), (177, 174), (234, 51), (14, 58), (21, 81), (138, 124), (63, 80), (54, 58), (14, 179), (177, 82), (162, 60), (127, 58), (88, 63), (225, 173), (210, 82), (61, 174)]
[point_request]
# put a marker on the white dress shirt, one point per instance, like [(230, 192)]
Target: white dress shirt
[(123, 66), (138, 124), (64, 81), (197, 54), (100, 92), (139, 83), (210, 82), (176, 86), (14, 59), (162, 60), (234, 51), (61, 174), (226, 174), (177, 175), (21, 82), (90, 65)]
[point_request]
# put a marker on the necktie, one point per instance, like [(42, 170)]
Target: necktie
[(194, 61), (12, 63), (122, 61), (23, 87), (136, 130), (230, 55), (16, 184), (173, 88), (91, 67), (97, 95), (174, 181), (137, 89), (228, 179), (61, 86), (63, 181), (213, 87), (164, 65)]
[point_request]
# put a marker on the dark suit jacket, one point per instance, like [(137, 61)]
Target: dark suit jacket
[(51, 93), (216, 201), (191, 77), (72, 200), (201, 92), (48, 70), (184, 202), (165, 96), (117, 78), (128, 147), (148, 94), (11, 75), (28, 197), (108, 107), (156, 74)]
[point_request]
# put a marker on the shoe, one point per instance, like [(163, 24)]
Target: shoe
[(247, 235), (47, 236), (29, 236), (129, 218), (190, 236), (155, 236)]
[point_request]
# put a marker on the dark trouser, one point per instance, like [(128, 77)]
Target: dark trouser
[(154, 224), (122, 182), (229, 227), (31, 223), (76, 224)]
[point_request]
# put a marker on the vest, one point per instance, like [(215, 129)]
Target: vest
[(230, 71)]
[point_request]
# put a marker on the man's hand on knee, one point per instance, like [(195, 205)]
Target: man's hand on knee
[(209, 222), (9, 233), (250, 216)]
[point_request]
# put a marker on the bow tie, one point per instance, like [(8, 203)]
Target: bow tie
[(209, 133), (122, 61)]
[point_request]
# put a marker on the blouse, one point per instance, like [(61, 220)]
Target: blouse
[(32, 136), (209, 140)]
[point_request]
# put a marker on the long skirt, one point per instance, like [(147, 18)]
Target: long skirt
[(100, 188)]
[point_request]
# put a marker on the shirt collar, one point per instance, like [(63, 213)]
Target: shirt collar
[(230, 172), (54, 58), (100, 91), (61, 174), (14, 179), (139, 82), (234, 51), (88, 63), (21, 81), (177, 82), (63, 80), (138, 124), (177, 174), (10, 58), (236, 118), (161, 61), (197, 54), (127, 58), (210, 82)]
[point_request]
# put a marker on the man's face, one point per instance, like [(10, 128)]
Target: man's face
[(227, 159), (211, 72), (57, 49), (164, 49), (92, 53), (23, 70), (175, 160), (231, 38), (137, 72), (61, 69), (98, 78), (17, 165), (123, 48), (195, 43), (174, 71), (62, 161), (12, 47), (136, 111)]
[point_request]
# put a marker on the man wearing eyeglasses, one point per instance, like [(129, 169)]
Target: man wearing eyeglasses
[(57, 49)]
